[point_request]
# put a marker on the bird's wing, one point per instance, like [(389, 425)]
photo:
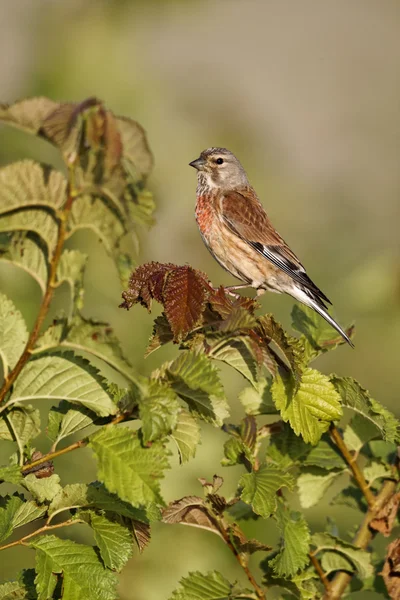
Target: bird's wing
[(245, 216)]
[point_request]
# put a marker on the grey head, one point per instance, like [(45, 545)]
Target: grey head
[(218, 167)]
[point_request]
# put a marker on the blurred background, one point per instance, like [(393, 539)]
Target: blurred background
[(307, 95)]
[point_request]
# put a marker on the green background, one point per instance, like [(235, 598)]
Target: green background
[(307, 95)]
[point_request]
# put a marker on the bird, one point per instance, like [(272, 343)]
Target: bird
[(240, 236)]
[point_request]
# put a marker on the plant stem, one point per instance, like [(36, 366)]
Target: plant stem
[(44, 529), (79, 444), (364, 535), (260, 593), (321, 574), (352, 462), (44, 307)]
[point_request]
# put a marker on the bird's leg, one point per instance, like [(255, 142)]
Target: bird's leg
[(231, 289)]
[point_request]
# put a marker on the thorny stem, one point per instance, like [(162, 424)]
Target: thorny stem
[(44, 529), (352, 462), (44, 307), (260, 593)]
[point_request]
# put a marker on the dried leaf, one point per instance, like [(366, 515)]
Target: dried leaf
[(391, 570), (189, 510), (384, 520)]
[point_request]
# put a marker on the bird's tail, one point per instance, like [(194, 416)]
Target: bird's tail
[(316, 304)]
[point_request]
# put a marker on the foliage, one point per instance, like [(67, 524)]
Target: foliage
[(290, 439)]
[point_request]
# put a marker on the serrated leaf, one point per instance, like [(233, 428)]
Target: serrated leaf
[(352, 497), (376, 470), (237, 353), (63, 377), (74, 561), (128, 469), (295, 543), (45, 489), (186, 435), (11, 474), (291, 347), (66, 419), (135, 148), (324, 455), (27, 183), (192, 511), (359, 432), (361, 559), (13, 590), (300, 586), (37, 221), (195, 379), (286, 448), (313, 483), (158, 410), (317, 334), (333, 561), (355, 397), (311, 407), (27, 114), (260, 488), (196, 586), (71, 269), (258, 400), (28, 511), (9, 506), (21, 250), (13, 334), (21, 423), (113, 539)]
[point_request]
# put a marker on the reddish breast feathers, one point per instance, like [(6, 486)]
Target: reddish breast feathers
[(205, 214)]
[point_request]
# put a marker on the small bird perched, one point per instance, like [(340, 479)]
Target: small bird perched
[(238, 233)]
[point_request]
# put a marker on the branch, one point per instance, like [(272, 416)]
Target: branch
[(352, 462), (363, 537), (44, 307), (260, 593), (44, 529), (321, 574), (79, 444)]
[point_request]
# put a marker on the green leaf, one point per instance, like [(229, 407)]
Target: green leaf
[(196, 586), (22, 423), (291, 347), (66, 419), (333, 561), (237, 353), (318, 336), (13, 590), (13, 334), (376, 470), (63, 377), (186, 435), (311, 407), (352, 497), (313, 483), (11, 474), (257, 400), (358, 432), (128, 469), (27, 114), (158, 410), (21, 250), (113, 539), (28, 511), (71, 269), (286, 448), (9, 506), (135, 148), (195, 379), (324, 455), (74, 562), (361, 559), (260, 488), (85, 335), (358, 399), (294, 545), (39, 222), (27, 183), (45, 489)]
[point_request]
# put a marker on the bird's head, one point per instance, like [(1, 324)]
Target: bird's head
[(218, 167)]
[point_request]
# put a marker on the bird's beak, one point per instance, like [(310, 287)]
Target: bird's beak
[(198, 163)]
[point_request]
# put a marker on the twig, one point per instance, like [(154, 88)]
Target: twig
[(260, 593), (44, 307), (79, 444), (352, 462), (321, 574), (363, 537), (44, 529)]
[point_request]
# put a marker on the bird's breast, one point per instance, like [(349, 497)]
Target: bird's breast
[(205, 214)]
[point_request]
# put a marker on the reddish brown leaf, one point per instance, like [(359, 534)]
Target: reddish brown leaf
[(384, 520), (243, 545), (391, 570), (189, 510), (145, 283), (185, 293), (42, 471), (141, 532)]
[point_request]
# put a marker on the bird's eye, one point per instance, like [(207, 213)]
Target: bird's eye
[(219, 161)]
